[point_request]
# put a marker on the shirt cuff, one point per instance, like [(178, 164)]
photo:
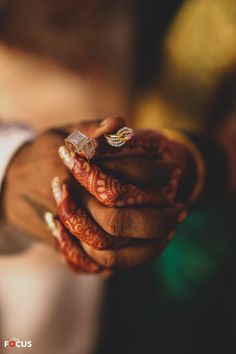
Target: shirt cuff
[(12, 137)]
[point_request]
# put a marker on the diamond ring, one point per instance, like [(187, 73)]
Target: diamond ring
[(120, 137), (81, 144)]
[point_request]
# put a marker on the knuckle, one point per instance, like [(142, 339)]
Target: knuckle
[(119, 222), (113, 226)]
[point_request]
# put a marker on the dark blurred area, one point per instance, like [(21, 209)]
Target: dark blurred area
[(152, 22)]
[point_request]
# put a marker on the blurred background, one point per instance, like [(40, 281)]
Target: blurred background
[(175, 57), (159, 64)]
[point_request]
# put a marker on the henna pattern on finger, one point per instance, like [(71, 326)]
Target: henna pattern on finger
[(107, 189), (79, 223), (71, 250)]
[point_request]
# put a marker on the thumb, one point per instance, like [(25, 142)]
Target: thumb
[(109, 125)]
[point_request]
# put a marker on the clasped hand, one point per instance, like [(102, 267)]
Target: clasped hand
[(115, 212)]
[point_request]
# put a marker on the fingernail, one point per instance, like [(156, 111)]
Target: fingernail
[(51, 224), (66, 156), (50, 221), (57, 189), (182, 216)]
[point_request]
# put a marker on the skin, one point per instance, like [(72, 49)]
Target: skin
[(37, 163), (108, 190), (72, 252), (113, 253), (79, 223)]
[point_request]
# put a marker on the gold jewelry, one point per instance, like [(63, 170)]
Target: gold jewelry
[(120, 137), (81, 144), (201, 170)]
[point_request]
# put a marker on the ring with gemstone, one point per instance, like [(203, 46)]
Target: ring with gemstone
[(81, 144), (120, 137)]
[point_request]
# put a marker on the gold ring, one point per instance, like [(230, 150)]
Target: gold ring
[(81, 144), (120, 137)]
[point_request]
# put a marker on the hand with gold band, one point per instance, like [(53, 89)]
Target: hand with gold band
[(112, 212)]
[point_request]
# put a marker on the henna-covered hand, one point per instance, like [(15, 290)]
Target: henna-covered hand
[(109, 190), (110, 252), (110, 203)]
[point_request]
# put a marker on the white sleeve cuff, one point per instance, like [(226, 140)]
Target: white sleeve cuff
[(12, 137)]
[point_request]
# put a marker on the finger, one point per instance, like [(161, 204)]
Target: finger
[(145, 143), (78, 222), (96, 130), (141, 172), (108, 190), (96, 127), (136, 253), (109, 125), (71, 250), (134, 222)]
